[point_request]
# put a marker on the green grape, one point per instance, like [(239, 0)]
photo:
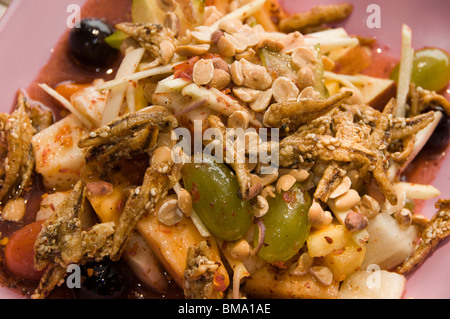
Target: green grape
[(286, 225), (214, 188), (431, 69)]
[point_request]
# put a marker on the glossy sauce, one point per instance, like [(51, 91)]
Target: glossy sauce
[(60, 68)]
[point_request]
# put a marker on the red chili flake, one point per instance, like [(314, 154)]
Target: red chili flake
[(195, 193), (184, 70), (219, 282), (289, 197), (328, 239), (279, 264)]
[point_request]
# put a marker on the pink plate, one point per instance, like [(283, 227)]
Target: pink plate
[(30, 29)]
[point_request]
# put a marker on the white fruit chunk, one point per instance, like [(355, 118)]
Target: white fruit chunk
[(58, 158), (389, 244), (49, 203), (379, 284), (144, 263)]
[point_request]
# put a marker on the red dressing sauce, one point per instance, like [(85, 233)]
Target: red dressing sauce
[(60, 68)]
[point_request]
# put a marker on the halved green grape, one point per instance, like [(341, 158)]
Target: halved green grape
[(431, 69), (286, 224), (214, 188)]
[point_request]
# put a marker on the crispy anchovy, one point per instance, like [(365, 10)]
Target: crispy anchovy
[(130, 135), (60, 238), (40, 117), (157, 182), (291, 115), (247, 190), (331, 178), (437, 230), (199, 273), (148, 35), (421, 100), (404, 127), (52, 277), (19, 162), (316, 16)]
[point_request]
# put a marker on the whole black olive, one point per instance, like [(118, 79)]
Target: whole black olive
[(441, 135), (104, 280), (87, 43)]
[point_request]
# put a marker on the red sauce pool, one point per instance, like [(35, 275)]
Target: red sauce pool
[(60, 68)]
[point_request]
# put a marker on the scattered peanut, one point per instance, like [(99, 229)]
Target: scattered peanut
[(237, 74), (249, 55), (14, 210), (342, 188), (271, 44), (239, 119), (369, 207), (230, 25), (203, 72), (211, 15), (225, 47), (238, 41), (256, 76), (317, 217), (203, 34), (268, 191), (323, 274), (309, 93), (304, 56), (172, 22), (239, 249), (262, 101), (285, 183), (245, 94), (191, 50), (306, 77), (346, 201), (292, 42), (220, 80), (261, 207), (162, 154), (302, 265), (251, 35), (168, 212), (355, 221), (403, 217), (185, 202), (284, 90), (167, 51)]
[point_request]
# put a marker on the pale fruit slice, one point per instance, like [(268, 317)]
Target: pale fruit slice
[(389, 244), (144, 263), (379, 284)]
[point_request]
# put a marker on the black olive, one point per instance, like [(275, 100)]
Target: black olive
[(441, 135), (87, 43), (104, 280)]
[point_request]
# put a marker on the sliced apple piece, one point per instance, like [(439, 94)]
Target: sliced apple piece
[(389, 244), (58, 158), (375, 91), (144, 264), (379, 284)]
